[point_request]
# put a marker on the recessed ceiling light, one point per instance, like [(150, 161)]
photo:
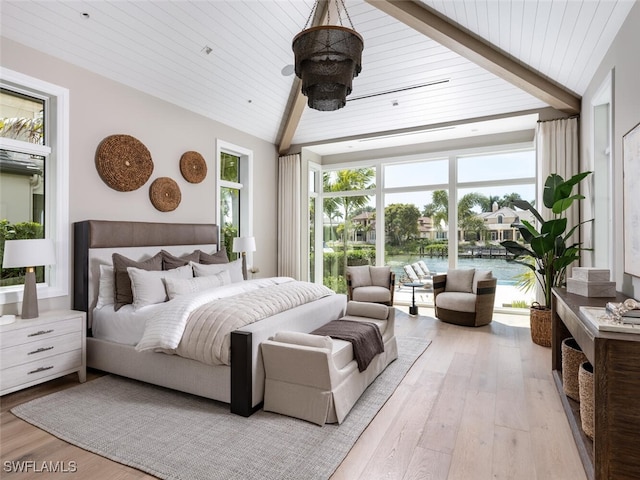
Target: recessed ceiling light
[(206, 50), (287, 70), (85, 15)]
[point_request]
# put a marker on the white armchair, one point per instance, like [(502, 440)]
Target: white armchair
[(371, 284)]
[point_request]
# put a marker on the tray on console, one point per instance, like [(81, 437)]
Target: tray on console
[(599, 319)]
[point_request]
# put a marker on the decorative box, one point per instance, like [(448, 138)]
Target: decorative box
[(591, 289), (589, 274)]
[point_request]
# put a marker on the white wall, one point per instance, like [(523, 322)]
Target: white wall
[(624, 59), (100, 107)]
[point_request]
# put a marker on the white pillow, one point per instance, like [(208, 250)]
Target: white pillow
[(460, 280), (106, 283), (234, 268), (182, 286), (148, 286)]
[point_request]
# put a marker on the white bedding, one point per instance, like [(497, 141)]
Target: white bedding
[(125, 326), (165, 326)]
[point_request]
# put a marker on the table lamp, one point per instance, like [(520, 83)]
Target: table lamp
[(244, 245), (28, 253)]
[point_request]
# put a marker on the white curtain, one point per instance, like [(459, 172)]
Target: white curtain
[(557, 152), (289, 216)]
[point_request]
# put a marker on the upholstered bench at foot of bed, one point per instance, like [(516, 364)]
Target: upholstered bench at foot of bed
[(315, 377)]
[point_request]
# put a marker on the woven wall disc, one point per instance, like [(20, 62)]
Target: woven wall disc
[(123, 162), (165, 194), (193, 167)]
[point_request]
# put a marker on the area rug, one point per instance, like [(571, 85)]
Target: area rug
[(172, 435)]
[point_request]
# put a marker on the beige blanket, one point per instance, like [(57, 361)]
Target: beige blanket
[(206, 337)]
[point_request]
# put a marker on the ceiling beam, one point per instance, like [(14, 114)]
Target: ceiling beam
[(426, 21), (292, 118), (294, 112)]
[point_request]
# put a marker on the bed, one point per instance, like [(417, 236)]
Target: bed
[(239, 382)]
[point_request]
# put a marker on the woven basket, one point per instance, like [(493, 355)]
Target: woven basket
[(193, 167), (540, 318), (572, 357), (164, 194), (585, 380), (123, 162)]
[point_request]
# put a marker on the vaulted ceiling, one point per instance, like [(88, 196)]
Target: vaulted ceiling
[(426, 64)]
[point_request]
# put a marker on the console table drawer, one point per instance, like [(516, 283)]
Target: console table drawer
[(46, 367), (36, 350)]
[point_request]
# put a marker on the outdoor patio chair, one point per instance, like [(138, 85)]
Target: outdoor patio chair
[(411, 273), (416, 277), (424, 268)]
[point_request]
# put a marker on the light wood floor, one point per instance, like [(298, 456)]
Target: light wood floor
[(479, 404)]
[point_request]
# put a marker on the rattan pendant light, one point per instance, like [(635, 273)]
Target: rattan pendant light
[(327, 59)]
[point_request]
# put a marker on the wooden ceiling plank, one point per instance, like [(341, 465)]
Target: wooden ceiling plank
[(422, 19)]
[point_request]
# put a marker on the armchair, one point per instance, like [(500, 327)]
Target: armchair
[(465, 296), (371, 284)]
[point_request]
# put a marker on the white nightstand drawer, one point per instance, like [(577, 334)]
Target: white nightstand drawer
[(36, 332), (32, 371), (43, 348)]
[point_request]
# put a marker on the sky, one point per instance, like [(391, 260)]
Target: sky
[(477, 168)]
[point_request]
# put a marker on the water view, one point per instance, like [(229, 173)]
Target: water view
[(504, 271)]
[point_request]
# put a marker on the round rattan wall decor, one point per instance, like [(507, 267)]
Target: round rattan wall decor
[(193, 167), (123, 162), (165, 194)]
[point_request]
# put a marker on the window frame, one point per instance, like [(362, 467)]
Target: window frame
[(245, 186), (56, 151), (452, 187)]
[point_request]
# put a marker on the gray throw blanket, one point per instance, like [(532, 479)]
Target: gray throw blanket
[(364, 336)]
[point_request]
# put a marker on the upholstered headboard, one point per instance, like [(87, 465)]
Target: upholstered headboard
[(99, 238)]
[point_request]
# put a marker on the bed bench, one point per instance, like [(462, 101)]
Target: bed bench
[(316, 378)]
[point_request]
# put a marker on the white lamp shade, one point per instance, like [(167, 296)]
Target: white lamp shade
[(28, 253), (244, 244)]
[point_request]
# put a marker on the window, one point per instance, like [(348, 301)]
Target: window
[(348, 223), (34, 166), (448, 210), (235, 175)]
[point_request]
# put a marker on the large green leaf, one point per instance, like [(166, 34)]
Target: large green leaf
[(577, 178), (564, 203), (542, 245), (517, 249), (549, 194), (524, 205), (555, 227)]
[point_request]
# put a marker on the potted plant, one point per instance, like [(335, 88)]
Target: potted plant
[(545, 251)]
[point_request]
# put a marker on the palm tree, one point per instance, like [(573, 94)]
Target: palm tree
[(438, 209), (344, 181), (508, 199)]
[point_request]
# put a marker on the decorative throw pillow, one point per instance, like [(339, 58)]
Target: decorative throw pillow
[(360, 276), (148, 286), (170, 261), (105, 286), (122, 291), (218, 257), (460, 280), (380, 276), (480, 275), (234, 268), (183, 286)]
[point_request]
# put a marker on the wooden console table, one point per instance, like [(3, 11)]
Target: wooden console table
[(614, 452)]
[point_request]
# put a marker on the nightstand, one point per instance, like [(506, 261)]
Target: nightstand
[(40, 349)]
